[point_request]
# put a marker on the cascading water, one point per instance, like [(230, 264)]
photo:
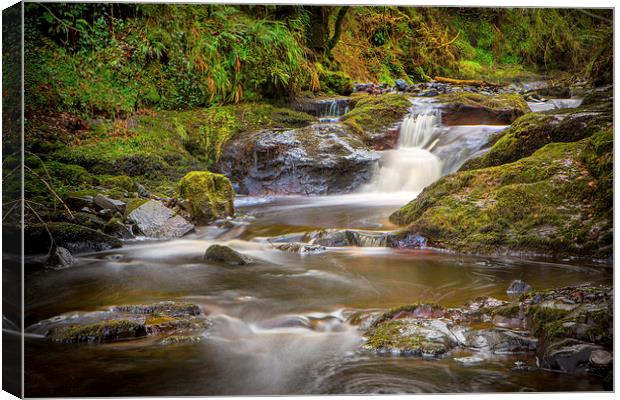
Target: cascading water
[(411, 167), (332, 110)]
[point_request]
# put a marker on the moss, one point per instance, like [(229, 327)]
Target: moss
[(336, 82), (119, 181), (406, 310), (133, 204), (389, 336), (542, 204), (374, 114), (210, 195), (98, 332), (546, 321), (509, 311), (532, 131), (502, 102)]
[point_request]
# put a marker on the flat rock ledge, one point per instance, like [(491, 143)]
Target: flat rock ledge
[(167, 319)]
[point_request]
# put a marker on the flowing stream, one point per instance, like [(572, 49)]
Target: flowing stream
[(279, 326)]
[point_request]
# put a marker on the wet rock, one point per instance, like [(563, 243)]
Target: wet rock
[(319, 159), (569, 355), (478, 109), (143, 192), (501, 341), (115, 227), (224, 254), (60, 258), (518, 287), (349, 237), (88, 220), (301, 248), (77, 203), (75, 238), (601, 359), (155, 220), (170, 308), (98, 332), (210, 195), (401, 85), (180, 339), (123, 323), (107, 203)]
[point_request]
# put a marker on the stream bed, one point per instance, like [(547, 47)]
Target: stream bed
[(279, 325)]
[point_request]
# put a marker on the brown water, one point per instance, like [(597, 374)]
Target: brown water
[(256, 344), (244, 353)]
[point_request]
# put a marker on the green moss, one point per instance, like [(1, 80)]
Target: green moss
[(546, 321), (497, 103), (389, 336), (336, 82), (133, 204), (532, 131), (210, 195), (119, 181), (373, 114), (543, 204), (509, 311), (98, 332)]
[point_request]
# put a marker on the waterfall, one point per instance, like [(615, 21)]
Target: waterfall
[(411, 167), (331, 110)]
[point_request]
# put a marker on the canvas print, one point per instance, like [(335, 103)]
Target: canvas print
[(298, 199)]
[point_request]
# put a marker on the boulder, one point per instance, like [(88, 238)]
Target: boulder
[(155, 220), (60, 258), (224, 254), (466, 108), (319, 159), (569, 355), (210, 195), (518, 287), (107, 203)]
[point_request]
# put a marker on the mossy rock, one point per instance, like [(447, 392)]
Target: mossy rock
[(225, 255), (375, 114), (399, 337), (133, 204), (75, 238), (211, 195), (467, 108), (532, 131), (99, 332), (549, 203), (336, 82)]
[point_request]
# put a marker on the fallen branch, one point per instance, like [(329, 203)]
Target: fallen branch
[(465, 82)]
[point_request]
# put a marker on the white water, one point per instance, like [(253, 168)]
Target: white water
[(411, 167)]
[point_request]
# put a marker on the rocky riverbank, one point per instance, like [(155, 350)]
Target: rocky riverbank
[(568, 329)]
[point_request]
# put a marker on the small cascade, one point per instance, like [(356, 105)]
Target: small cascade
[(331, 110), (411, 167)]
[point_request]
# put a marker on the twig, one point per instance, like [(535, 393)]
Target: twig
[(51, 190)]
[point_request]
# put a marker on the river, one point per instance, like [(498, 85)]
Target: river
[(279, 326)]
